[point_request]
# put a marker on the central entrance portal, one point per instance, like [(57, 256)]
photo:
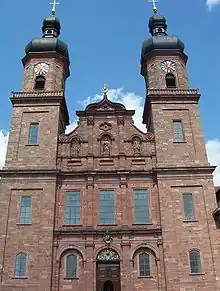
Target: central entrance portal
[(108, 271)]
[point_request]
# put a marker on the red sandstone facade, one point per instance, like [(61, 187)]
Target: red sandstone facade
[(107, 152)]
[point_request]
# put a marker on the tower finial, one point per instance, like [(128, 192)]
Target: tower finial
[(154, 5), (54, 3), (105, 91)]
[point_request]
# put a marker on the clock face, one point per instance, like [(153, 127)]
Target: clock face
[(41, 68), (168, 66)]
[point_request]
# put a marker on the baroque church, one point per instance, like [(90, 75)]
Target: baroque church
[(108, 207)]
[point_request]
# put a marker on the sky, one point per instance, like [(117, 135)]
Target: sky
[(105, 39)]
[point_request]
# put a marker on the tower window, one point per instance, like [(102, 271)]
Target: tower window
[(195, 262), (170, 81), (20, 265), (188, 207), (71, 266), (178, 131), (33, 133), (39, 83), (144, 264), (25, 210)]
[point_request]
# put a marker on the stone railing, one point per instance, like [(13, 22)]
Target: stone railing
[(37, 94), (168, 92)]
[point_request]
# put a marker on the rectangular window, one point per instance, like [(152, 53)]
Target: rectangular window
[(188, 207), (33, 133), (25, 210), (107, 207), (141, 206), (72, 215), (178, 131)]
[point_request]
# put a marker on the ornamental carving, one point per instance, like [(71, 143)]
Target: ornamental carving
[(63, 138), (120, 121), (107, 238), (105, 126), (108, 255), (136, 143), (149, 136), (90, 121)]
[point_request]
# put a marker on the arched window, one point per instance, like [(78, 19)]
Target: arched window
[(195, 262), (21, 265), (144, 264), (71, 266), (170, 81), (39, 83)]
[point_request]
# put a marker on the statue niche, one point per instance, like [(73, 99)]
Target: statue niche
[(75, 146), (106, 145), (136, 143)]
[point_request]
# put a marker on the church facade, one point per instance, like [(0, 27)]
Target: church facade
[(107, 207)]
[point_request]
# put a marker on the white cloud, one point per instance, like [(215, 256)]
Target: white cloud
[(3, 146), (71, 127), (213, 151), (211, 3)]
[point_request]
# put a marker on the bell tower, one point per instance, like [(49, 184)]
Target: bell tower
[(171, 107), (39, 111), (181, 167)]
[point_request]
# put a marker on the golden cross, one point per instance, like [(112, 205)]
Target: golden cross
[(154, 5), (54, 3)]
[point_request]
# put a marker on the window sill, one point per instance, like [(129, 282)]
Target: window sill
[(196, 274), (190, 220), (144, 277), (113, 224), (71, 225), (21, 224), (32, 145), (71, 279), (19, 277), (142, 224), (180, 141)]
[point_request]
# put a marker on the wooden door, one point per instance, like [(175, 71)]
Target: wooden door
[(108, 277)]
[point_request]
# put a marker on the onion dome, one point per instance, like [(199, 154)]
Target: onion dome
[(160, 40), (49, 41)]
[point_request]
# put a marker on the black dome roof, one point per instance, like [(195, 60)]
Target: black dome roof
[(49, 42), (47, 45), (160, 40)]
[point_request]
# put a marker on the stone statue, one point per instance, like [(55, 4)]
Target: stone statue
[(137, 146), (106, 146), (75, 149)]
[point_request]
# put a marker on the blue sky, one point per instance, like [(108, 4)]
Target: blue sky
[(105, 39)]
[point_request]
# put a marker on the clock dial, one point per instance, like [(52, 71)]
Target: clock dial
[(41, 68), (168, 66)]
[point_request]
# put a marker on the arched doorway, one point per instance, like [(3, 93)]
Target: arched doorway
[(108, 271)]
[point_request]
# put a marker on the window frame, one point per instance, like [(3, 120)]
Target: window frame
[(101, 219), (29, 133), (76, 269), (201, 264), (74, 207), (193, 218), (182, 127), (167, 78), (15, 266), (149, 264), (20, 210), (36, 81), (135, 222)]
